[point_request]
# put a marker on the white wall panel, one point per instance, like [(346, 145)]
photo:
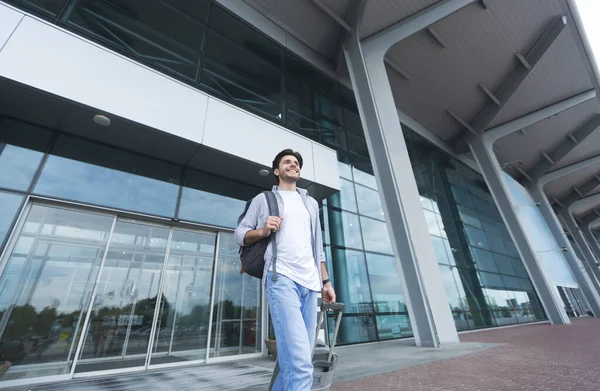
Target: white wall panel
[(232, 130), (49, 59), (9, 19), (326, 168)]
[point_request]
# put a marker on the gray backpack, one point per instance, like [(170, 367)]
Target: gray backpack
[(253, 257)]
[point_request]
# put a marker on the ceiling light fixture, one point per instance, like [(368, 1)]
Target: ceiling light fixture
[(102, 120), (263, 172)]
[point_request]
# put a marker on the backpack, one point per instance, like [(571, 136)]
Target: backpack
[(253, 257)]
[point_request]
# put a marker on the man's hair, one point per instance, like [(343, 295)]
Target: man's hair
[(280, 155)]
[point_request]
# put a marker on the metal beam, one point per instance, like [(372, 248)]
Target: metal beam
[(489, 93), (436, 37), (565, 148), (484, 3), (382, 41), (398, 69), (580, 191), (568, 170), (483, 120), (586, 203), (325, 8), (461, 121), (539, 115)]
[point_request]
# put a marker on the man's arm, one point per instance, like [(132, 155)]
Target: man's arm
[(273, 224)]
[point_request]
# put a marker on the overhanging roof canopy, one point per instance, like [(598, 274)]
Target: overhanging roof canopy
[(485, 65)]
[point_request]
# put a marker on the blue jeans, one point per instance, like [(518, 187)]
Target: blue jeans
[(294, 315)]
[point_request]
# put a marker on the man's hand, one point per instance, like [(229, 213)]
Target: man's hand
[(273, 224), (328, 293)]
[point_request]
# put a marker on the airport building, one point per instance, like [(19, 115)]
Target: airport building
[(452, 145)]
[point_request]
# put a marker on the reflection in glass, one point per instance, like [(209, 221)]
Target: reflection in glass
[(123, 310), (344, 229), (354, 329), (17, 166), (352, 287), (9, 207), (209, 208), (484, 260), (375, 236), (455, 299), (345, 198), (386, 286), (476, 237), (364, 178), (183, 320), (46, 286), (369, 203), (156, 32), (393, 326), (100, 175), (439, 248), (238, 306)]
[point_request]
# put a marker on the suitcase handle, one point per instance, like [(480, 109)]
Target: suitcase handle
[(332, 307)]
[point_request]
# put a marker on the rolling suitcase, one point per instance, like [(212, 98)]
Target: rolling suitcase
[(323, 358)]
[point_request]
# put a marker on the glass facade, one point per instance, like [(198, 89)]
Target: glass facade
[(97, 291)]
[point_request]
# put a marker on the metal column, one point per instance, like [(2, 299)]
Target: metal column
[(589, 289), (427, 302), (493, 174), (579, 238)]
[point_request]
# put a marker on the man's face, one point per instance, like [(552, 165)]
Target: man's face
[(289, 169)]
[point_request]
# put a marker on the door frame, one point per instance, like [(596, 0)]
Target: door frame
[(133, 217)]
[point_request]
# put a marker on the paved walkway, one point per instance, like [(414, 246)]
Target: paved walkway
[(534, 357)]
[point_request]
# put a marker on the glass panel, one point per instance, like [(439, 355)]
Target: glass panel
[(393, 326), (118, 334), (469, 216), (476, 237), (83, 171), (183, 320), (504, 264), (369, 202), (239, 61), (440, 250), (21, 151), (454, 297), (245, 36), (154, 32), (432, 224), (495, 243), (484, 260), (462, 197), (10, 204), (238, 306), (354, 329), (344, 229), (364, 178), (352, 287), (316, 105), (213, 200), (41, 7), (491, 280), (345, 198), (375, 236), (45, 289), (345, 170), (357, 144), (228, 83), (309, 74), (386, 286)]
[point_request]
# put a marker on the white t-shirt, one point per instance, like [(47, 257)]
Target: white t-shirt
[(294, 245)]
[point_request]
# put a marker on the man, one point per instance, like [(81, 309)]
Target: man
[(300, 269)]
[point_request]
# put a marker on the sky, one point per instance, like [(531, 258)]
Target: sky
[(589, 11)]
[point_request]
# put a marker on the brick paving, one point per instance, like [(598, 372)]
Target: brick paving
[(532, 357)]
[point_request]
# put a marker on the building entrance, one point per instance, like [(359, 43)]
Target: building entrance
[(83, 291)]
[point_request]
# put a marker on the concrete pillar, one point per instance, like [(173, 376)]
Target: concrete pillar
[(494, 177), (427, 302), (590, 290)]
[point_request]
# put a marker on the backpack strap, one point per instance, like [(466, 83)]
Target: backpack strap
[(273, 211)]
